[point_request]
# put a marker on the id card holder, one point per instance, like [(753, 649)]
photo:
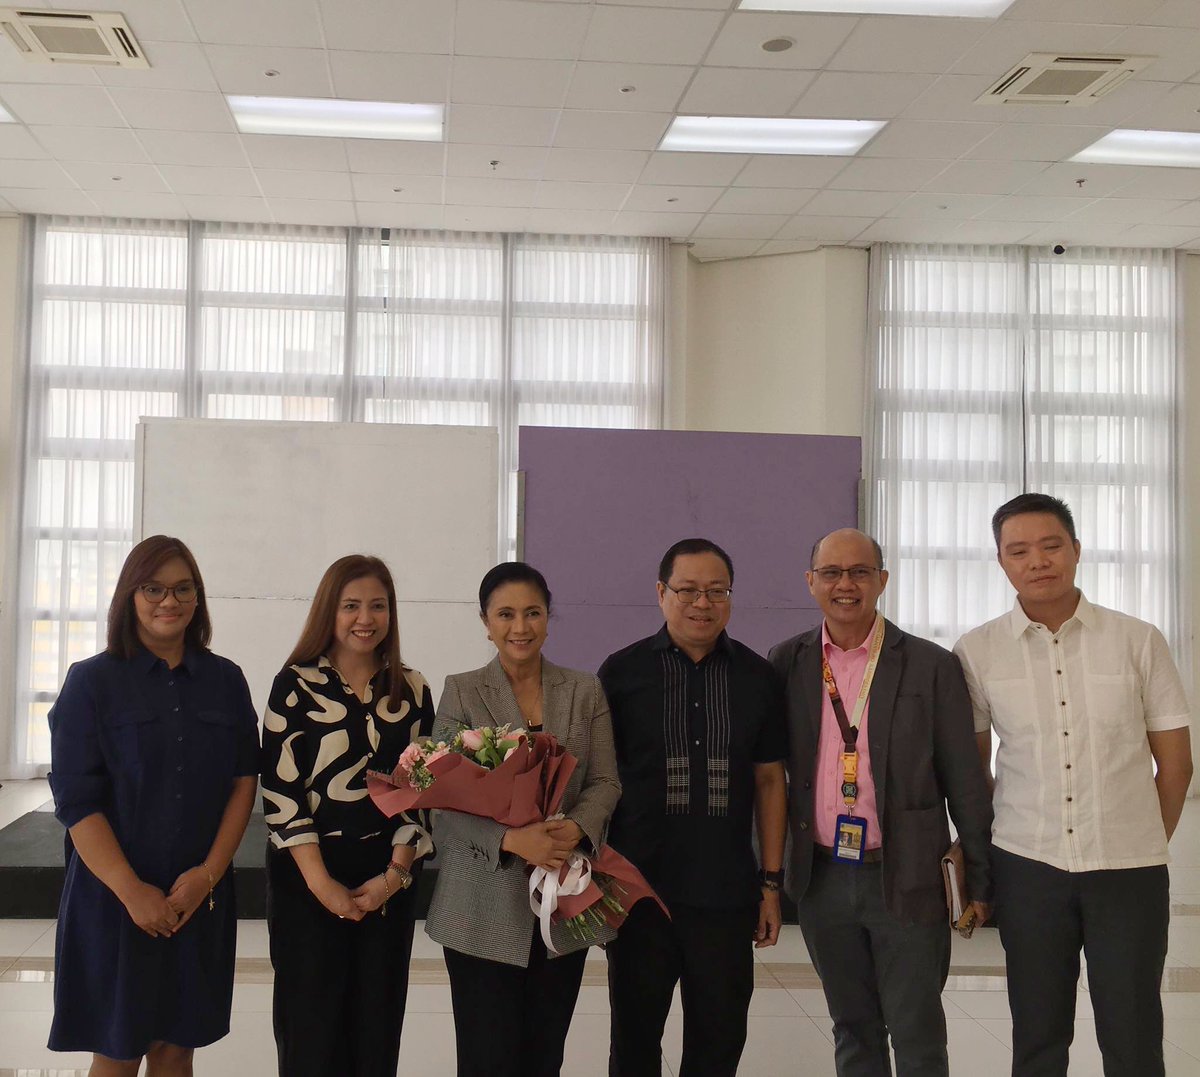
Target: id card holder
[(850, 841)]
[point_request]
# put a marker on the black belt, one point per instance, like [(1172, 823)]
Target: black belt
[(870, 856)]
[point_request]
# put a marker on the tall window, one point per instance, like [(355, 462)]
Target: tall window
[(999, 370), (253, 322)]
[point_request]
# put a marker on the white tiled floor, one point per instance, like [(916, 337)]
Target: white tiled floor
[(789, 1025)]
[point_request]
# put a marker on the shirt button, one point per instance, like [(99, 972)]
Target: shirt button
[(803, 825), (1069, 799), (178, 796), (1068, 766), (1059, 672), (695, 742), (1070, 830), (695, 704), (179, 770), (175, 709), (179, 740), (1065, 733)]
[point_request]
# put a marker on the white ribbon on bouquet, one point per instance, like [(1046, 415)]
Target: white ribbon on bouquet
[(545, 888)]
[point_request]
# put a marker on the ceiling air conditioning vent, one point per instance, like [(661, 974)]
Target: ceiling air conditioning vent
[(1048, 78), (99, 38)]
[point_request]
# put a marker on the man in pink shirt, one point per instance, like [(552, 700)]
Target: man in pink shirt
[(882, 743)]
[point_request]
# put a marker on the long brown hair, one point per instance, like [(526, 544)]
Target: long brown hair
[(317, 633), (145, 559)]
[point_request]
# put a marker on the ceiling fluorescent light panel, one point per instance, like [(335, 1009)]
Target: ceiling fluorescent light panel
[(1168, 149), (328, 118), (960, 9), (746, 134)]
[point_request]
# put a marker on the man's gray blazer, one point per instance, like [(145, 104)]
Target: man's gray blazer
[(921, 738), (481, 903)]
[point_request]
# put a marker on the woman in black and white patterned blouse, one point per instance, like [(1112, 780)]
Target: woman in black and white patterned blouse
[(340, 906)]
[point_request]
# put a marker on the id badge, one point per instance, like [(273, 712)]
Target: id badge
[(851, 840)]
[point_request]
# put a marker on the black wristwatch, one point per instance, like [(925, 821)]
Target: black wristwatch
[(770, 880)]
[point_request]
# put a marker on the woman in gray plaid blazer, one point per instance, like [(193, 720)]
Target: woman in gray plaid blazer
[(480, 911)]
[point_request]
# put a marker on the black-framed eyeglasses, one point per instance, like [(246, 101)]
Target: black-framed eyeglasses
[(833, 574), (154, 593), (689, 596)]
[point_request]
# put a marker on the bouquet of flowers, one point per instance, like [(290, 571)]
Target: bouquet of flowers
[(516, 778)]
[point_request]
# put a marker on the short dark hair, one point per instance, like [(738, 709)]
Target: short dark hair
[(511, 572), (1025, 503), (145, 559), (688, 546), (812, 554)]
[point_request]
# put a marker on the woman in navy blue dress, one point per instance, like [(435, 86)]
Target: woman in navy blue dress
[(154, 755)]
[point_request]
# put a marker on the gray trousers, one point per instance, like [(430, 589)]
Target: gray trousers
[(880, 976)]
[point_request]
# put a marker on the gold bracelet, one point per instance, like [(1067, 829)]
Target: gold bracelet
[(405, 875), (387, 895), (212, 901)]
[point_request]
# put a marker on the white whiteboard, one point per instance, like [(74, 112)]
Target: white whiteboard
[(266, 507)]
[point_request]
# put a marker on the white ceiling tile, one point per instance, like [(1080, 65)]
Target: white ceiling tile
[(1077, 235), (90, 143), (1178, 110), (1130, 98), (205, 207), (791, 246), (295, 152), (762, 200), (16, 141), (1099, 181), (952, 97), (36, 200), (312, 211), (291, 23), (186, 148), (48, 174), (489, 124), (673, 225), (1175, 13), (486, 219), (174, 65), (740, 225), (649, 35), (1186, 216), (489, 191), (1034, 142), (786, 170), (389, 25), (830, 229), (611, 130), (599, 166), (381, 76), (150, 20), (922, 45), (217, 182), (715, 5), (888, 173), (242, 69), (1177, 50), (480, 80), (173, 110), (739, 91), (16, 70), (280, 184), (87, 106), (860, 95), (985, 177), (1018, 208), (403, 158), (655, 87), (370, 187), (716, 250), (1159, 235), (565, 194), (816, 37), (125, 177), (671, 199), (701, 169), (992, 232), (917, 138), (510, 162), (942, 207), (519, 29), (1159, 182), (571, 222), (1128, 210), (1111, 11), (389, 215), (835, 203), (140, 204), (898, 231), (1006, 42)]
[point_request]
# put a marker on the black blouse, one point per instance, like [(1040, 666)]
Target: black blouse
[(319, 740)]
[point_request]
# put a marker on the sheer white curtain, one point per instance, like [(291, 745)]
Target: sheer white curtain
[(998, 370), (131, 319)]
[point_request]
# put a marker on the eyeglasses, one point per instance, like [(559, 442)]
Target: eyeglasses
[(689, 596), (185, 593), (832, 574)]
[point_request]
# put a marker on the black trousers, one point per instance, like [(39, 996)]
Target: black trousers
[(709, 953), (1119, 918), (340, 985), (880, 977), (510, 1020)]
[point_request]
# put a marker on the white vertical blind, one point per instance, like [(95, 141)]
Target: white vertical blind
[(998, 370), (255, 322)]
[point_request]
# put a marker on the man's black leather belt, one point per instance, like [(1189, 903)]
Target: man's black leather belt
[(871, 856)]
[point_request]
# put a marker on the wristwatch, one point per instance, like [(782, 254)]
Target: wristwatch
[(404, 874), (770, 880)]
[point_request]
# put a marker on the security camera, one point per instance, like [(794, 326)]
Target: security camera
[(1058, 248)]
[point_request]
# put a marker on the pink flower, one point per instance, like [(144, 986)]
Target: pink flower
[(472, 740), (410, 756)]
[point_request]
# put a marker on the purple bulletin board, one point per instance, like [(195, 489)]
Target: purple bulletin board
[(602, 506)]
